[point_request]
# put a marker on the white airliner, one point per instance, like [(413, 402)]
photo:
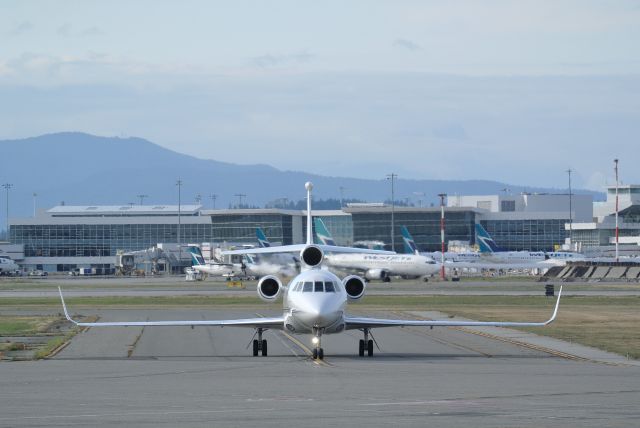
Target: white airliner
[(376, 266), (314, 302), (213, 268), (522, 259), (271, 264), (8, 266)]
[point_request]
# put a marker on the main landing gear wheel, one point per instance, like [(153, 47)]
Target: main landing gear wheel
[(260, 345), (365, 344)]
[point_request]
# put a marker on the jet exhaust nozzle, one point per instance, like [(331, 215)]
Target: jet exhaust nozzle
[(354, 286), (269, 288), (311, 255)]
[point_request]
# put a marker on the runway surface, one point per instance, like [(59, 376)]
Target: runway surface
[(178, 376)]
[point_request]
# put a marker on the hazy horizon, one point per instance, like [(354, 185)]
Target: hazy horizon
[(516, 92)]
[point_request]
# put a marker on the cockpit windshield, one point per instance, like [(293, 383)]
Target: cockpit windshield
[(315, 287)]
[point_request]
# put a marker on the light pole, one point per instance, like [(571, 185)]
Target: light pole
[(342, 189), (35, 195), (615, 161), (442, 196), (179, 184), (240, 196), (569, 171), (198, 198), (7, 187), (419, 195), (213, 198), (141, 197), (393, 177)]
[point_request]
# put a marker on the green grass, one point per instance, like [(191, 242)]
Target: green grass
[(395, 302), (132, 301), (606, 322), (23, 326), (51, 345)]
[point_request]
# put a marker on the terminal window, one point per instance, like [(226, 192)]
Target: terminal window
[(507, 206)]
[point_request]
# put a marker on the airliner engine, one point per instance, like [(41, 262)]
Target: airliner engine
[(377, 274), (354, 286), (311, 255), (269, 288)]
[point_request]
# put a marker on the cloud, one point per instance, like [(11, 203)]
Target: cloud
[(91, 67), (66, 30), (597, 180), (21, 28), (406, 44), (92, 31), (269, 60), (450, 132)]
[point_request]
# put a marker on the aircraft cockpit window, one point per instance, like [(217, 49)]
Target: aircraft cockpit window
[(298, 287), (328, 287), (308, 287), (319, 287)]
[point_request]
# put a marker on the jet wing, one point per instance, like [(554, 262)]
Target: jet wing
[(275, 323), (353, 323), (299, 247)]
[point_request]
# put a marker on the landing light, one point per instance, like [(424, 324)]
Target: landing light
[(315, 340)]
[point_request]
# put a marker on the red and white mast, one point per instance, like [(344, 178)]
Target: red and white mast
[(615, 161)]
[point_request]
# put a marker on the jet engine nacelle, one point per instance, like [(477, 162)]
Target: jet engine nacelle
[(354, 286), (311, 255), (376, 274), (269, 288)]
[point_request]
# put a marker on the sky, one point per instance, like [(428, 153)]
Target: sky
[(514, 91)]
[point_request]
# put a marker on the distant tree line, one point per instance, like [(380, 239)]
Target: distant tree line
[(325, 204)]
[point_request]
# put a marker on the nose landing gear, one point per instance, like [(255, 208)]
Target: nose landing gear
[(318, 352)]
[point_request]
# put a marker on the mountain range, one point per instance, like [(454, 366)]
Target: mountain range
[(82, 169)]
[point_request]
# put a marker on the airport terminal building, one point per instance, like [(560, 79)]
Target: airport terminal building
[(528, 222), (69, 237), (596, 237)]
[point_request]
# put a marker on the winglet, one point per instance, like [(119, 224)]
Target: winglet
[(555, 311), (64, 307)]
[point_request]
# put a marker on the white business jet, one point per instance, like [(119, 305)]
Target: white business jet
[(314, 302)]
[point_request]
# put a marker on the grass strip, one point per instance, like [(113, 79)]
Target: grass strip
[(392, 302), (24, 325)]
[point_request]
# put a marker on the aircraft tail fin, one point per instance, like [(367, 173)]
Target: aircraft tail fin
[(196, 256), (410, 246), (324, 237), (485, 241), (262, 238)]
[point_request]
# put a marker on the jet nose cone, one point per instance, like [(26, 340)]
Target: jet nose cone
[(319, 316)]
